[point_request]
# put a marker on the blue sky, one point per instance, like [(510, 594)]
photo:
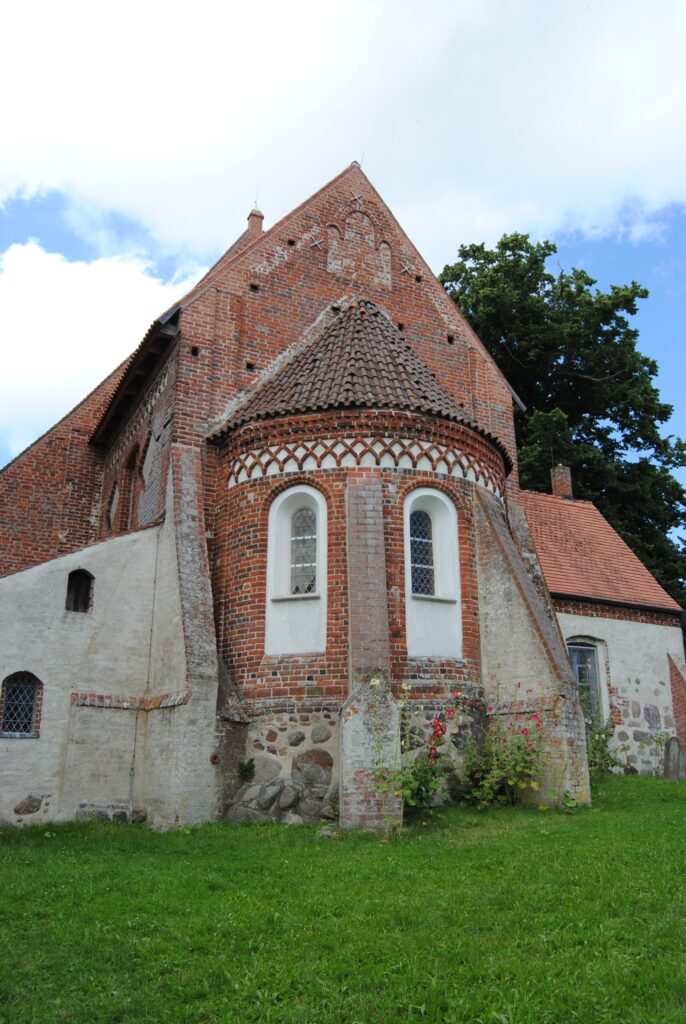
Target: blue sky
[(135, 146)]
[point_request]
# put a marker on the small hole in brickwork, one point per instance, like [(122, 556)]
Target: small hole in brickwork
[(291, 242), (451, 339), (195, 350), (250, 367), (401, 327), (417, 278), (310, 679), (335, 309), (254, 287)]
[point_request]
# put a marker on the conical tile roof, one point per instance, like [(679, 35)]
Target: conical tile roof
[(359, 361)]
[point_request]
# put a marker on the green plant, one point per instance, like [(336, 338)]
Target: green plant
[(246, 769), (506, 763), (601, 759)]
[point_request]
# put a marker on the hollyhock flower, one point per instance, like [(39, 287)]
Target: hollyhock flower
[(450, 713), (529, 746), (525, 731), (489, 709), (456, 693)]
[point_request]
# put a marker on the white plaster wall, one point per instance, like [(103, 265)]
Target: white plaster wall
[(83, 754), (636, 665)]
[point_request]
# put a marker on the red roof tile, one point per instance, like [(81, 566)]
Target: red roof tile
[(359, 361), (583, 556)]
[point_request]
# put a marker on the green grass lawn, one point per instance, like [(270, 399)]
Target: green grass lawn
[(503, 917)]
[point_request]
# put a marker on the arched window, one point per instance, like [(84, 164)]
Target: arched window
[(79, 591), (304, 551), (20, 705), (433, 615), (584, 659), (296, 573), (421, 552)]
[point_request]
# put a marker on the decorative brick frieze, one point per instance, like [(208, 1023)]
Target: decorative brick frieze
[(119, 702), (382, 452)]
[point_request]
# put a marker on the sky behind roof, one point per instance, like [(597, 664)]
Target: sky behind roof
[(139, 137)]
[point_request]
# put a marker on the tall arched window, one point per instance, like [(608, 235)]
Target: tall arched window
[(304, 551), (20, 705), (79, 591), (433, 615), (296, 573)]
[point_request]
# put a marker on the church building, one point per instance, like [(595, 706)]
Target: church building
[(293, 507)]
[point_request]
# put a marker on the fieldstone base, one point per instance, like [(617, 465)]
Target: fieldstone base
[(309, 795)]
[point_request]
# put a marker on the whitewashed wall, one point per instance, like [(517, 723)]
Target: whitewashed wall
[(130, 643), (632, 660)]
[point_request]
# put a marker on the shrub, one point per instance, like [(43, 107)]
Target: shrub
[(508, 761)]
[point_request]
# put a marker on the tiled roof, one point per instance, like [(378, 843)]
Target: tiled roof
[(360, 360), (582, 555)]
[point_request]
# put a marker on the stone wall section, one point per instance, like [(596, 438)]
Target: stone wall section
[(637, 662), (523, 658)]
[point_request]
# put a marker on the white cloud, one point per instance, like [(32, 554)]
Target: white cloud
[(475, 117), (65, 326), (172, 114)]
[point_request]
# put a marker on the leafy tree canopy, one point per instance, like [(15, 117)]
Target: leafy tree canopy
[(569, 351)]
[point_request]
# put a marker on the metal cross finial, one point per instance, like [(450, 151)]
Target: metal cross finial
[(316, 244), (407, 268), (356, 198)]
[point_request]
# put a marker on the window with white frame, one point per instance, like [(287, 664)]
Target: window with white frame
[(433, 615), (295, 621)]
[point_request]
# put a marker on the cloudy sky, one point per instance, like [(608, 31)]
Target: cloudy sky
[(139, 135)]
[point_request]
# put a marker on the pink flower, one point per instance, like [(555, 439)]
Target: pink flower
[(489, 709), (524, 731), (450, 713), (529, 746), (456, 693), (519, 686)]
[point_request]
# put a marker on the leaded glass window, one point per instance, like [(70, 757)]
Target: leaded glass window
[(304, 551), (421, 553), (19, 704), (584, 659)]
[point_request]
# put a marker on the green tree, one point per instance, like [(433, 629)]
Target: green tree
[(569, 351)]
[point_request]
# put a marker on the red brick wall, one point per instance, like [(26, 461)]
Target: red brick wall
[(149, 423), (615, 611), (238, 332), (49, 494), (239, 558), (678, 686)]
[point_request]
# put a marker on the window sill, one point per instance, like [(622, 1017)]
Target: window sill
[(297, 597), (432, 597), (19, 736)]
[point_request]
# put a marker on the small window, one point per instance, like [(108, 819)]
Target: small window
[(584, 659), (421, 553), (20, 701), (304, 551), (79, 591)]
